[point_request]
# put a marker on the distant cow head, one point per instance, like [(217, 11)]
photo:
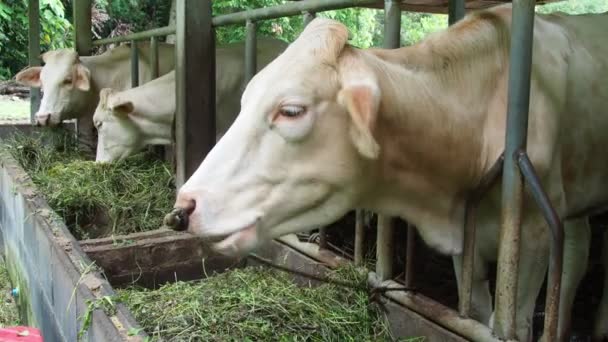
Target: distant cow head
[(122, 130), (63, 79), (299, 154)]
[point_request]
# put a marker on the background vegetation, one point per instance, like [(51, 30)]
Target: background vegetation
[(115, 17)]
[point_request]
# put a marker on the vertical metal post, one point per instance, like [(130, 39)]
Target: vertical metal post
[(34, 51), (134, 64), (251, 64), (512, 185), (154, 56), (195, 86), (456, 11), (308, 17), (359, 237), (385, 248), (385, 243), (83, 42)]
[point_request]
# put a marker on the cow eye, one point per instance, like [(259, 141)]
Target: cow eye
[(98, 124), (291, 111), (67, 81)]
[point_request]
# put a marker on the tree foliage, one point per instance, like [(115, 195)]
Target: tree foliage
[(55, 32), (575, 7)]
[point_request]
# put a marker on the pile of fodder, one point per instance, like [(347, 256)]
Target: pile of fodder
[(258, 304), (95, 199)]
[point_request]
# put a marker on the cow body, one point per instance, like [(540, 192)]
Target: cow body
[(409, 132), (129, 120), (71, 84)]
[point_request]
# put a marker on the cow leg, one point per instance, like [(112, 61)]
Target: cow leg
[(600, 330), (481, 300), (577, 236)]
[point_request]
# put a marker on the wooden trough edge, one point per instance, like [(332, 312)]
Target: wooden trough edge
[(57, 279)]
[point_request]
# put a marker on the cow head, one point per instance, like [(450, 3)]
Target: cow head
[(63, 80), (122, 131), (301, 152)]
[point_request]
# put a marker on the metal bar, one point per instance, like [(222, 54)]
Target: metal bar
[(323, 237), (134, 65), (195, 86), (433, 311), (271, 12), (409, 256), (157, 32), (384, 241), (83, 45), (359, 237), (34, 51), (308, 17), (456, 11), (385, 248), (468, 249), (392, 24), (154, 58), (557, 245), (251, 63), (287, 10), (512, 185)]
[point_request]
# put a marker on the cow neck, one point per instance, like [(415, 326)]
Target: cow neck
[(431, 146)]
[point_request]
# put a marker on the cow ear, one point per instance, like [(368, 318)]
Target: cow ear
[(122, 108), (30, 77), (360, 95), (83, 78)]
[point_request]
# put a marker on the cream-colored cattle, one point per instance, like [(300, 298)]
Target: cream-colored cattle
[(326, 128), (71, 84), (129, 120)]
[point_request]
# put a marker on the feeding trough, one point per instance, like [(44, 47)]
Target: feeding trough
[(67, 284)]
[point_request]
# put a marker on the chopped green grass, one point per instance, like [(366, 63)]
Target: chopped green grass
[(9, 316), (94, 199), (14, 109), (258, 304)]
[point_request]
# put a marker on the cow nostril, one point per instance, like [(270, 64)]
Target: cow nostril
[(177, 219)]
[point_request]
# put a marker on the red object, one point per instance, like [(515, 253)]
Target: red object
[(20, 334)]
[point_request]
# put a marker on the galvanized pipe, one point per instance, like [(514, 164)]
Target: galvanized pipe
[(512, 186), (157, 32), (287, 10), (433, 311), (33, 52), (468, 248), (554, 276), (456, 11), (385, 246), (134, 65), (392, 24), (384, 241), (250, 51), (359, 237), (308, 17), (154, 56)]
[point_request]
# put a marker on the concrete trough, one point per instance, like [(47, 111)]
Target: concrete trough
[(59, 277)]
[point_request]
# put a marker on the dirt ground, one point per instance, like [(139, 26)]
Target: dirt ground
[(14, 109)]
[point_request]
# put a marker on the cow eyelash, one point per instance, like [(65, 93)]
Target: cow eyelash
[(67, 81), (292, 111)]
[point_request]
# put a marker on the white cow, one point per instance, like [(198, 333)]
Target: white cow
[(129, 120), (70, 84), (409, 132)]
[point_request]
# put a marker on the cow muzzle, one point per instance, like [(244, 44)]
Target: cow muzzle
[(43, 119), (177, 219)]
